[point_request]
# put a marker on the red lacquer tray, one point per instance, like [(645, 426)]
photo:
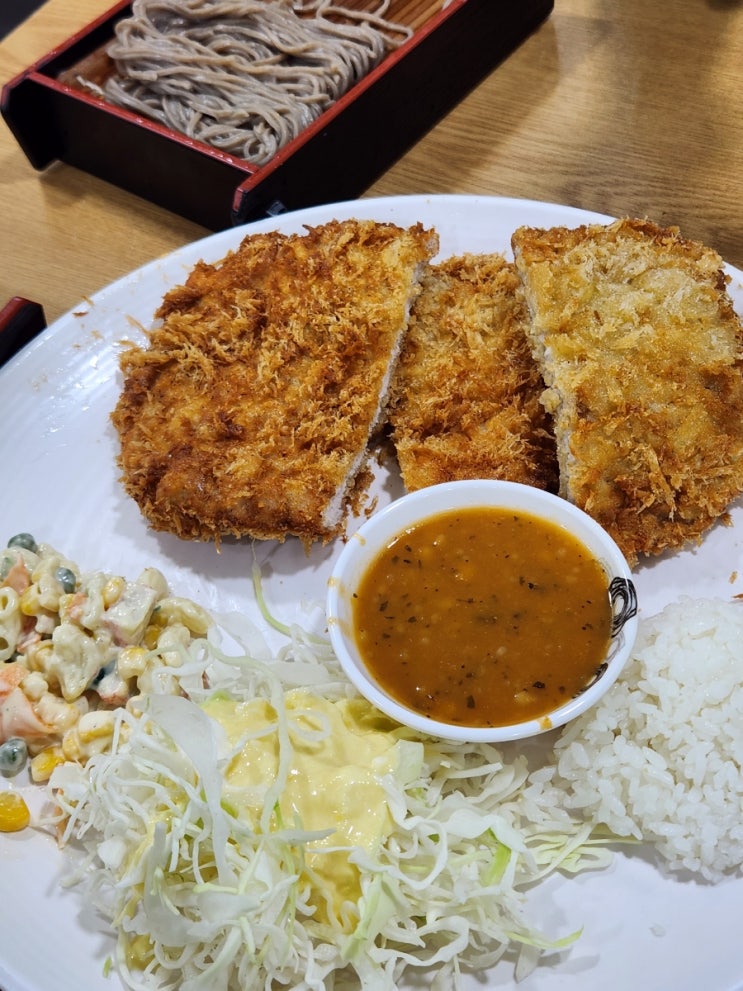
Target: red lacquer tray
[(335, 158)]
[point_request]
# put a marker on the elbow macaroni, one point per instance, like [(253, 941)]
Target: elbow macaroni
[(76, 655), (177, 610), (10, 622)]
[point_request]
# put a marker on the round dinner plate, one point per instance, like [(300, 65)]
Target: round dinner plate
[(60, 482)]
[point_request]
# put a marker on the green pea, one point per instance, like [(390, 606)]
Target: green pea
[(66, 579), (25, 541), (13, 756)]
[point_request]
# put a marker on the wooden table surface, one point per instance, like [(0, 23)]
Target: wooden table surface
[(629, 107)]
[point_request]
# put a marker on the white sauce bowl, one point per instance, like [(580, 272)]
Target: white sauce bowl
[(374, 535)]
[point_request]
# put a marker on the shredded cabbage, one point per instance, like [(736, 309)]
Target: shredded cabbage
[(200, 900)]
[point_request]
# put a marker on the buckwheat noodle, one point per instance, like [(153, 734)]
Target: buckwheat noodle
[(244, 76)]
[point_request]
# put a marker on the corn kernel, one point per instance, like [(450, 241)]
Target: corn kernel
[(112, 590), (29, 602), (71, 748), (14, 814), (95, 725), (92, 734), (132, 662), (44, 763), (151, 635)]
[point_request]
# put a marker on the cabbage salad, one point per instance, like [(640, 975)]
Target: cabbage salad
[(269, 828)]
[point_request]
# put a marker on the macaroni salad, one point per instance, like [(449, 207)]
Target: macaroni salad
[(76, 646)]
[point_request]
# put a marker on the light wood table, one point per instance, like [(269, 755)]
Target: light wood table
[(629, 108)]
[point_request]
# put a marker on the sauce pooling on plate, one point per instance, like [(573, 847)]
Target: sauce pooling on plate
[(484, 616)]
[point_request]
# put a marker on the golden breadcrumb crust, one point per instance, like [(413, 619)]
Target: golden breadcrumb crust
[(639, 345), (249, 412), (465, 398)]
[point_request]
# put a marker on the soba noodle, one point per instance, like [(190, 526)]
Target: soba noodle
[(244, 76)]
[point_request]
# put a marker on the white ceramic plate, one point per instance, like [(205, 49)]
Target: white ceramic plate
[(59, 481)]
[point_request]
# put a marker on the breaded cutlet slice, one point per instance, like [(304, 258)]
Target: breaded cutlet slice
[(641, 350), (250, 411), (465, 397)]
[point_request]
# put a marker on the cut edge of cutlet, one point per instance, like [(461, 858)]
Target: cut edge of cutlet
[(641, 351), (465, 400), (334, 515)]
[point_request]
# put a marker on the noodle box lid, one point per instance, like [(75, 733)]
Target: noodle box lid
[(336, 157)]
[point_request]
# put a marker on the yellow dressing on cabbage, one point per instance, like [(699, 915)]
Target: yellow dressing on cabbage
[(341, 749)]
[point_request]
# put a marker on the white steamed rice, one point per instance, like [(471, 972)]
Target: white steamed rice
[(660, 757)]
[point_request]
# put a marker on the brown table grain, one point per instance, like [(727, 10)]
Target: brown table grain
[(629, 107)]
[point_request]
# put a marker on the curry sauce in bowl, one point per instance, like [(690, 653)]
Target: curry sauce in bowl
[(482, 610)]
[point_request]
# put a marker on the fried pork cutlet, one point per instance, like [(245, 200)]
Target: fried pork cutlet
[(465, 398), (249, 412), (641, 350)]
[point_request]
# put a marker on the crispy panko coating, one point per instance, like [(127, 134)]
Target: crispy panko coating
[(465, 400), (249, 412), (636, 337)]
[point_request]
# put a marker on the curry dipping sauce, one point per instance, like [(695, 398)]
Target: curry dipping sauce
[(483, 617)]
